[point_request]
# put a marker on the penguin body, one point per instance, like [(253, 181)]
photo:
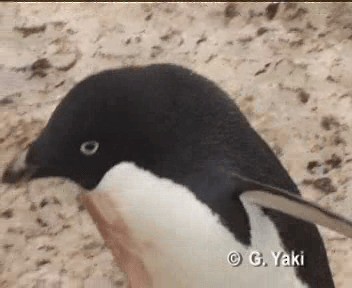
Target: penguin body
[(129, 129), (185, 244)]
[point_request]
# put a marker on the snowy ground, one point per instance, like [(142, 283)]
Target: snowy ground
[(288, 70)]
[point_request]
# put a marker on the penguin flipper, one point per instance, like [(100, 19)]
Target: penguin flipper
[(295, 206)]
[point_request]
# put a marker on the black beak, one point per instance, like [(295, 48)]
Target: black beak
[(19, 170)]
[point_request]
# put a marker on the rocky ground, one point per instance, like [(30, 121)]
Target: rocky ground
[(287, 67)]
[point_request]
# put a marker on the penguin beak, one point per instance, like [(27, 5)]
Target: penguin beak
[(19, 170)]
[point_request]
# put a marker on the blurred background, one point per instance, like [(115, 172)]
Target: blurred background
[(287, 66)]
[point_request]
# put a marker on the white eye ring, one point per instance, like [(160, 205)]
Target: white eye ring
[(89, 148)]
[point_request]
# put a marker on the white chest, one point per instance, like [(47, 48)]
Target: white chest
[(180, 242)]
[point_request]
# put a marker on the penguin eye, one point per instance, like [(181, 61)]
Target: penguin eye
[(89, 148)]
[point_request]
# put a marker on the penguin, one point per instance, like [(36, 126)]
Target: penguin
[(191, 181)]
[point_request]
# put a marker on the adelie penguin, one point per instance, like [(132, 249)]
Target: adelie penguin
[(189, 178)]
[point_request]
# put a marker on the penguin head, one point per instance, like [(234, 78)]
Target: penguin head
[(103, 120)]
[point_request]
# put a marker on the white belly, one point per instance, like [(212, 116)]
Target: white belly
[(181, 243)]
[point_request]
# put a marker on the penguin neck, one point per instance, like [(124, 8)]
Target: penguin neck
[(211, 185)]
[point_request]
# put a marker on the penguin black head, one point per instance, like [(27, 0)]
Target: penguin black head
[(129, 114)]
